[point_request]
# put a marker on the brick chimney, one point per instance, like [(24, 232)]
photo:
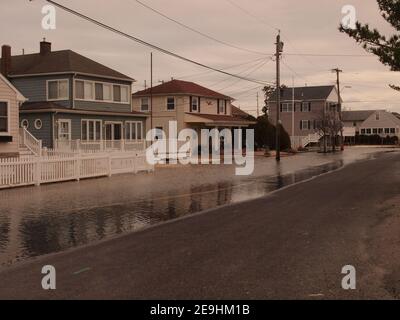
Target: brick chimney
[(5, 67), (45, 47)]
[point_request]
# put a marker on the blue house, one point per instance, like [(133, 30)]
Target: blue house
[(71, 97)]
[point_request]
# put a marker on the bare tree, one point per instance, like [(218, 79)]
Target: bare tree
[(328, 124)]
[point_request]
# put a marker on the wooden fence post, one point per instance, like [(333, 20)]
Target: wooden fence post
[(38, 171)]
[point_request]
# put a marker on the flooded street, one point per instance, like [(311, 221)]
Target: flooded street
[(39, 220)]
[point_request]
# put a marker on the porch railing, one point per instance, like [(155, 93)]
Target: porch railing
[(29, 141)]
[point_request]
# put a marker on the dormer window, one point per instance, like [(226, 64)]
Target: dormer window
[(57, 90)]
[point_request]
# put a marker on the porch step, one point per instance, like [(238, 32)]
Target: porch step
[(23, 151)]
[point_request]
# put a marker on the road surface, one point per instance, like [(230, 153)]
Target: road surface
[(290, 244)]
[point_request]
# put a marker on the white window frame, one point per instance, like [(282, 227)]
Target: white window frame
[(287, 107), (8, 132), (308, 127), (197, 104), (38, 127), (111, 84), (148, 104), (58, 89), (113, 130), (94, 133), (134, 124), (166, 104), (303, 103), (69, 128), (27, 123), (223, 106)]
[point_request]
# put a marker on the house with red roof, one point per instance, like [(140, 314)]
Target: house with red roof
[(191, 105)]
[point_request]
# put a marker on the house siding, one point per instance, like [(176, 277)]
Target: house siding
[(8, 95), (103, 106), (162, 116), (45, 133), (35, 88)]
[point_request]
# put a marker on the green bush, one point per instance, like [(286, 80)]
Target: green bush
[(265, 135)]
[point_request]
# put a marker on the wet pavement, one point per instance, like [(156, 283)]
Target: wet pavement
[(51, 218)]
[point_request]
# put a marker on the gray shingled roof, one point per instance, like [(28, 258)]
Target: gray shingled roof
[(357, 115), (60, 61), (305, 93)]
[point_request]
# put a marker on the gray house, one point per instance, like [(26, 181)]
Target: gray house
[(71, 97)]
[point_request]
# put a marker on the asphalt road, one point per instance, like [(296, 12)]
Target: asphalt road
[(290, 244)]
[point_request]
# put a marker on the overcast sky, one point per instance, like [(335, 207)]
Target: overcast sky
[(308, 26)]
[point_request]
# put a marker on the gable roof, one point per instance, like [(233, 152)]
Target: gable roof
[(305, 93), (357, 115), (239, 113), (65, 61), (20, 96), (181, 87)]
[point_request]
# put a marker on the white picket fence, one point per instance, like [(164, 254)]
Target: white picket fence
[(34, 170)]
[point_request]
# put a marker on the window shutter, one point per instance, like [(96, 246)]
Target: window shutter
[(191, 101), (218, 103), (198, 107), (309, 106), (309, 125), (225, 105), (301, 124)]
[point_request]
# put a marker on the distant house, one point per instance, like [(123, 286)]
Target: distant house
[(72, 97), (188, 103), (371, 122), (10, 100), (302, 108)]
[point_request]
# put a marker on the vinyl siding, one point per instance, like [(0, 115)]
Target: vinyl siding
[(45, 133), (35, 90), (9, 95), (104, 106)]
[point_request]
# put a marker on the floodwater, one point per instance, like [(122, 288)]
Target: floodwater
[(51, 218)]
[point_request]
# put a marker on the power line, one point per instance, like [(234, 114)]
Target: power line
[(225, 68), (252, 15), (258, 67), (200, 32), (167, 52)]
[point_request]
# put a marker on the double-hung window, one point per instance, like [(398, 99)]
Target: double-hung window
[(221, 106), (4, 117), (58, 89), (305, 124), (144, 104), (195, 104), (286, 107), (305, 107), (133, 130), (170, 103), (101, 91), (91, 130)]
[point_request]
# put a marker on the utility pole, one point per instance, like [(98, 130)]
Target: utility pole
[(279, 50), (258, 107), (293, 107), (338, 71), (151, 91)]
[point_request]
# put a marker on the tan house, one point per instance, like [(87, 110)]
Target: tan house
[(188, 103), (10, 100)]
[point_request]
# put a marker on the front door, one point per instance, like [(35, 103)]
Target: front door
[(113, 135), (113, 131), (64, 129)]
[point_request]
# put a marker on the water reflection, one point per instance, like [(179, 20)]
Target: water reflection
[(33, 228), (52, 218)]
